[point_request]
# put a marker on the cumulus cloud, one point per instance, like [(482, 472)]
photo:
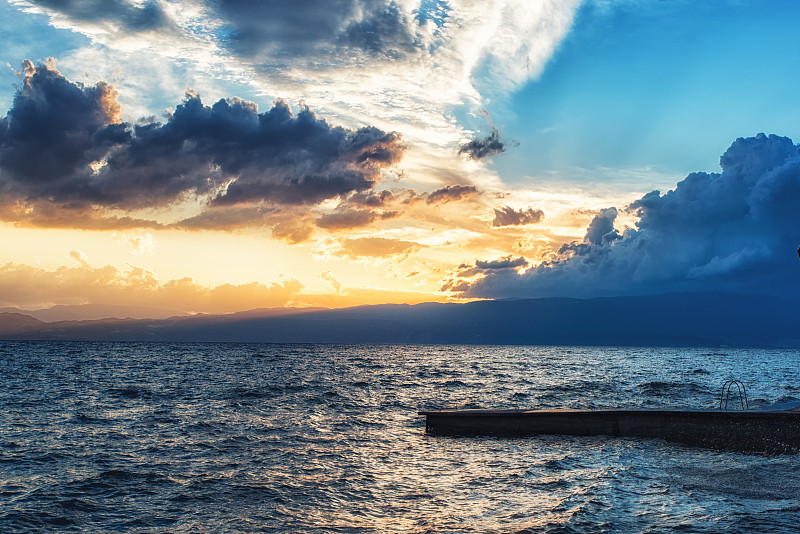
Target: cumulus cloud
[(62, 146), (51, 132), (24, 285), (508, 216), (601, 229), (737, 230)]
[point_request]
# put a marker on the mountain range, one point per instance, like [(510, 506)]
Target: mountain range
[(675, 319), (85, 312)]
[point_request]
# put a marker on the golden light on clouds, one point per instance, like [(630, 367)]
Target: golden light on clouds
[(356, 169)]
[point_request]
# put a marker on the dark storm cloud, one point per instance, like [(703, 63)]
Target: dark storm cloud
[(54, 130), (737, 230), (273, 156), (62, 142), (508, 216)]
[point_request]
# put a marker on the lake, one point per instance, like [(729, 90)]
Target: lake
[(185, 437)]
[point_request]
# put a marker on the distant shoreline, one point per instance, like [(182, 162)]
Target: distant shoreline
[(669, 320)]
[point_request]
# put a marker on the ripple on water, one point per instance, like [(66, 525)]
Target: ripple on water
[(137, 437)]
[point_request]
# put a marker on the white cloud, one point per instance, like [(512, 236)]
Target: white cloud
[(330, 277), (79, 257), (141, 243)]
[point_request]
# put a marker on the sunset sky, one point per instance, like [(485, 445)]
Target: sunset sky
[(215, 156)]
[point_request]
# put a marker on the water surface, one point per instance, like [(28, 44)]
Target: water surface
[(137, 437)]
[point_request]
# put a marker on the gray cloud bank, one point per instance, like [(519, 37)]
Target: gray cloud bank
[(279, 31), (286, 29), (737, 230), (114, 14), (63, 144)]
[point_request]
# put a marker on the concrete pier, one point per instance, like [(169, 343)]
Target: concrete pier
[(750, 431)]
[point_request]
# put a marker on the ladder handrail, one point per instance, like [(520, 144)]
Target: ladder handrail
[(742, 394)]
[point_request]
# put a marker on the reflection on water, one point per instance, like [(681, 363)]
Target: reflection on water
[(324, 438)]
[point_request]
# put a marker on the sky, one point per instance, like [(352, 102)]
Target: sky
[(221, 156)]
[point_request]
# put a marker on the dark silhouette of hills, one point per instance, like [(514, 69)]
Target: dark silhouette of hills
[(85, 312), (677, 319), (11, 322)]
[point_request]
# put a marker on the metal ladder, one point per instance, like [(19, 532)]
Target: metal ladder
[(726, 394)]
